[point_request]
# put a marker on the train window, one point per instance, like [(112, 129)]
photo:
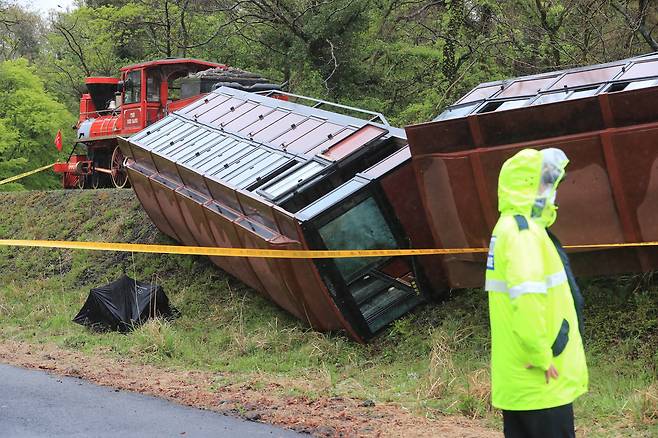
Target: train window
[(502, 105), (511, 104), (361, 227), (583, 92), (550, 97), (153, 87), (294, 179), (174, 89), (641, 84), (455, 112), (133, 87)]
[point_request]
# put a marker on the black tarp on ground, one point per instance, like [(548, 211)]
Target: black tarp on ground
[(124, 304)]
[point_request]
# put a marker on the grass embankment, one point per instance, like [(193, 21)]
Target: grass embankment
[(433, 362)]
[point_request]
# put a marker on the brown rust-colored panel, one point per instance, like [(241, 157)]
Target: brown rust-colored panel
[(164, 194), (354, 142), (256, 210), (286, 223), (191, 208), (193, 212), (143, 157), (444, 136), (254, 235), (221, 224), (636, 154), (454, 214), (538, 122), (193, 180), (142, 186), (166, 168), (224, 194), (634, 107)]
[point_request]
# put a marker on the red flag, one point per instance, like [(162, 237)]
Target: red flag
[(58, 140)]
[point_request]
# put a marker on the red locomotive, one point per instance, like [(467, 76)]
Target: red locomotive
[(144, 94)]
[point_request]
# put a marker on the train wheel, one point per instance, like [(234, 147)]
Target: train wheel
[(95, 179), (119, 175), (81, 182)]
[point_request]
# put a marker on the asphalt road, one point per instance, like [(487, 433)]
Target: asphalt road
[(37, 404)]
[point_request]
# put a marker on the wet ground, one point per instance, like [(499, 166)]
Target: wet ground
[(37, 404)]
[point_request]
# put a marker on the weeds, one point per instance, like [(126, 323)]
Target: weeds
[(434, 361)]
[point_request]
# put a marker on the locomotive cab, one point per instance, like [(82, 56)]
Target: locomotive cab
[(152, 89), (114, 107)]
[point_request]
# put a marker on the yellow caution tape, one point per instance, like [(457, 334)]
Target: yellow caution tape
[(234, 252), (272, 253), (23, 175)]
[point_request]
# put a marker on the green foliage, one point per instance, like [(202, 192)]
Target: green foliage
[(29, 120), (407, 59)]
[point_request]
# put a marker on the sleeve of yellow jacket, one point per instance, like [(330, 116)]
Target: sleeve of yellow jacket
[(526, 284)]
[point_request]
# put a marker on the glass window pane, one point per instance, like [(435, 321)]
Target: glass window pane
[(133, 85), (361, 227), (153, 87), (511, 104), (296, 178), (452, 113), (641, 84), (578, 94), (548, 98)]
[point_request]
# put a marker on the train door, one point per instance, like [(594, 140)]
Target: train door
[(371, 291), (133, 109), (154, 106)]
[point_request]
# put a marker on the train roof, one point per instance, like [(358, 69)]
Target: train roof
[(274, 148), (168, 61), (628, 74)]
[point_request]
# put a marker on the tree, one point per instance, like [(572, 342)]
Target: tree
[(21, 33), (29, 120)]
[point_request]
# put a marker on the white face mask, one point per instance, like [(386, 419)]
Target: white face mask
[(554, 161)]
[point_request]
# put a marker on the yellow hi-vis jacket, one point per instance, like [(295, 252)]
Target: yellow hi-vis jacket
[(533, 318)]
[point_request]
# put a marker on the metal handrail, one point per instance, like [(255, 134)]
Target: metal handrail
[(319, 102), (102, 112)]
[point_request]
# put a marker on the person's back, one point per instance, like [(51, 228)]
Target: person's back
[(537, 358)]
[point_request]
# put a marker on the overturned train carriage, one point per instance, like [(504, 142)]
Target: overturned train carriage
[(247, 170), (605, 118)]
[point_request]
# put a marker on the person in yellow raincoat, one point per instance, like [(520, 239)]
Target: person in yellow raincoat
[(535, 307)]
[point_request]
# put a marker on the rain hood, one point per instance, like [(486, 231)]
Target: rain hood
[(528, 182)]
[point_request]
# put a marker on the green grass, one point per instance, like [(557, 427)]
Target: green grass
[(434, 361)]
